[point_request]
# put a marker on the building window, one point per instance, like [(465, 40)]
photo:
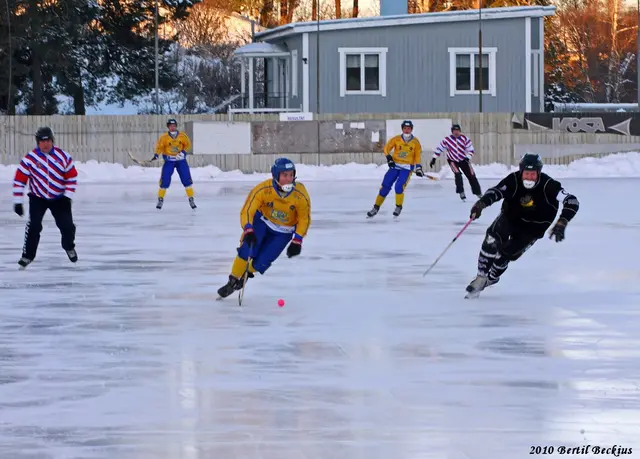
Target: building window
[(363, 71), (465, 74), (294, 73), (535, 73)]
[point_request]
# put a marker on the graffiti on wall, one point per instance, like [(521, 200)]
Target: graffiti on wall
[(595, 123)]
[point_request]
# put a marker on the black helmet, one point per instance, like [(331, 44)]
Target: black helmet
[(455, 127), (44, 133), (530, 162), (406, 123), (171, 121)]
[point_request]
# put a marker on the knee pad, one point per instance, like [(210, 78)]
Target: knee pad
[(384, 190), (490, 245)]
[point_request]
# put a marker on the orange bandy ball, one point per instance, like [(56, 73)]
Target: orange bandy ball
[(280, 302)]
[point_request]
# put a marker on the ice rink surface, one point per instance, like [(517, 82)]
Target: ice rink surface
[(126, 355)]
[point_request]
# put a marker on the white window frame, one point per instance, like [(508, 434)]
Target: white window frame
[(294, 73), (453, 52), (535, 72), (382, 70)]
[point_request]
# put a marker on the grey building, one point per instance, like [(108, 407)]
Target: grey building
[(400, 63)]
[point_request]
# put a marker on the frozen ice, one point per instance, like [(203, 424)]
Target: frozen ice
[(127, 354)]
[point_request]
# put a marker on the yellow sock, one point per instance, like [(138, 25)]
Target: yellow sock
[(399, 199), (189, 191), (162, 192), (239, 267), (379, 200)]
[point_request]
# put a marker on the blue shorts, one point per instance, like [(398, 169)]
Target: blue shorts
[(399, 176), (270, 244), (182, 166)]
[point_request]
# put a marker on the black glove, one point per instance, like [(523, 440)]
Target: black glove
[(18, 209), (419, 171), (432, 163), (558, 230), (476, 210), (294, 248), (249, 236), (391, 162)]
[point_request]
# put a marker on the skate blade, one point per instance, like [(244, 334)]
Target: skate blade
[(472, 295)]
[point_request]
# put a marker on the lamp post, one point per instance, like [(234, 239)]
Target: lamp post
[(318, 74), (157, 71), (10, 76), (480, 54)]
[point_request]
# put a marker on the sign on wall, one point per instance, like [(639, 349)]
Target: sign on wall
[(595, 123), (430, 132), (296, 116), (219, 137)]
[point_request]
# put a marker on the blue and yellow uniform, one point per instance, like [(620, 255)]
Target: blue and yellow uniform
[(404, 156), (272, 216), (174, 146)]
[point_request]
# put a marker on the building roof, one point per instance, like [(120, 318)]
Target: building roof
[(406, 19), (261, 50)]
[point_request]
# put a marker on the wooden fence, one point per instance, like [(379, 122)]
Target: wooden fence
[(496, 137)]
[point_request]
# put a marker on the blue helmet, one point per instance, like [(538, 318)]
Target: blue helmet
[(283, 165)]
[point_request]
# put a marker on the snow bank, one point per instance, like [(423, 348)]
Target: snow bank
[(612, 166)]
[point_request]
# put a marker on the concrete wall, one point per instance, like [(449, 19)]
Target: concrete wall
[(111, 138)]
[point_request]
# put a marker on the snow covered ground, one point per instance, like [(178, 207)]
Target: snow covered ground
[(612, 166), (127, 355)]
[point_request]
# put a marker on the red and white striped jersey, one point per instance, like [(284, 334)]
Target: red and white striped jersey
[(50, 175), (457, 148)]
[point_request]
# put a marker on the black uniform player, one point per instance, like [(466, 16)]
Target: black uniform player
[(531, 201)]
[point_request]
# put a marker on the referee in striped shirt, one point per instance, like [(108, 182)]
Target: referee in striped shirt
[(459, 152)]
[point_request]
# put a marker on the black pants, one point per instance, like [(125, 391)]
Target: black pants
[(504, 242), (460, 167), (61, 211)]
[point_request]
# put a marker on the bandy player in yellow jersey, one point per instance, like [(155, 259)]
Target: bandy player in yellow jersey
[(403, 154), (277, 213), (174, 147)]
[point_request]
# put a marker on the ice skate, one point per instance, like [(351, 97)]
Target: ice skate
[(479, 195), (476, 286), (73, 255), (373, 212), (397, 212), (233, 285), (160, 202), (192, 203), (24, 262), (463, 196)]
